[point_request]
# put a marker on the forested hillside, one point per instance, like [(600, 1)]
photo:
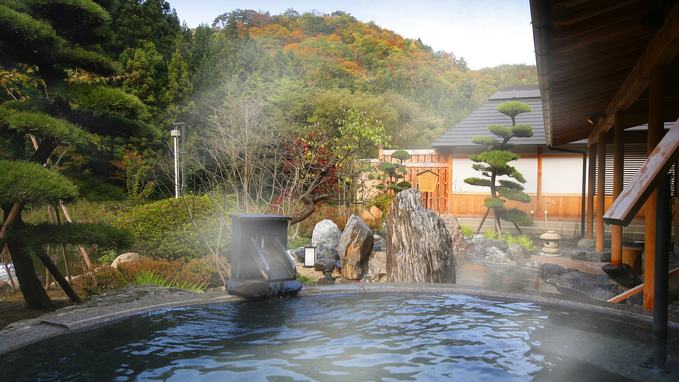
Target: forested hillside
[(297, 70)]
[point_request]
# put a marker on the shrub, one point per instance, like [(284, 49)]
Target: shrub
[(337, 214), (164, 230), (99, 280), (520, 240), (299, 242), (491, 234), (148, 277), (195, 271), (467, 230)]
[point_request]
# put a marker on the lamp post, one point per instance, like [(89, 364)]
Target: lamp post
[(175, 133)]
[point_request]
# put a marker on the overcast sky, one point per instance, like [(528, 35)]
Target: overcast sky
[(486, 33)]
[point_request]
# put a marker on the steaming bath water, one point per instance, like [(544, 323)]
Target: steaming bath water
[(340, 338)]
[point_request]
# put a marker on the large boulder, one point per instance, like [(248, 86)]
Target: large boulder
[(622, 274), (125, 258), (516, 252), (377, 268), (297, 254), (495, 255), (578, 283), (355, 246), (419, 246), (325, 252), (326, 233), (453, 226)]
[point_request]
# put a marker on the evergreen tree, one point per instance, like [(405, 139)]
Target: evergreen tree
[(58, 39), (493, 163)]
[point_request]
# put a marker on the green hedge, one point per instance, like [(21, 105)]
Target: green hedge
[(163, 228)]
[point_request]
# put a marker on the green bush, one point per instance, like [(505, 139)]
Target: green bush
[(163, 228), (467, 230)]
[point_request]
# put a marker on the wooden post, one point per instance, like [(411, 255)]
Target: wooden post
[(601, 192), (655, 129), (539, 201), (618, 156), (591, 181)]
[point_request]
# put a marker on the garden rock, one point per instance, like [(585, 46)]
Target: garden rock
[(575, 282), (591, 256), (125, 258), (475, 239), (355, 246), (379, 243), (325, 252), (586, 243), (453, 226), (622, 274), (324, 265), (528, 263), (549, 269), (5, 287), (495, 255), (297, 254), (516, 252), (419, 247), (377, 268), (326, 233)]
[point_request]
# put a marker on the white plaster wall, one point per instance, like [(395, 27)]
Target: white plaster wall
[(462, 169), (562, 176)]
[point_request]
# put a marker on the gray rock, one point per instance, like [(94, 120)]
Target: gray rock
[(622, 274), (419, 247), (125, 258), (516, 252), (586, 243), (355, 246), (591, 256), (324, 265), (594, 286), (453, 226), (379, 243), (476, 251), (5, 287), (326, 233), (550, 269), (528, 263), (475, 239), (495, 255), (297, 254), (377, 268), (325, 252)]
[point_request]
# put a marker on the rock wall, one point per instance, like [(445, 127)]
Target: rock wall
[(419, 246)]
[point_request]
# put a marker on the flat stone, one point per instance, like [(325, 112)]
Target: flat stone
[(622, 274), (591, 256)]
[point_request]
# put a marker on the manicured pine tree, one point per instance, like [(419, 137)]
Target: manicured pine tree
[(493, 163), (57, 39)]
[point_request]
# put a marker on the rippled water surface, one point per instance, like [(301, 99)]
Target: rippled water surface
[(338, 338)]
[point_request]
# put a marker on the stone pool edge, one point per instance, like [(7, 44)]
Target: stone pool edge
[(67, 320)]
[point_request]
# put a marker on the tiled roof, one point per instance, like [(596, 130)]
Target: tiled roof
[(477, 122)]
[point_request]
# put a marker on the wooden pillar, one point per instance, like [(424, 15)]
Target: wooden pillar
[(449, 179), (591, 188), (539, 201), (655, 129), (601, 192), (618, 156)]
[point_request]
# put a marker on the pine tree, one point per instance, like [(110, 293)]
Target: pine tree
[(57, 39), (493, 163)]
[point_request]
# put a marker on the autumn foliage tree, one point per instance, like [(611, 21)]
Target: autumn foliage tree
[(494, 163)]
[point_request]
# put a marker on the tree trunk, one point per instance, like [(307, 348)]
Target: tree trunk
[(30, 285), (52, 268)]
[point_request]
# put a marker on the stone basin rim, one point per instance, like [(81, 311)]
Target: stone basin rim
[(85, 319)]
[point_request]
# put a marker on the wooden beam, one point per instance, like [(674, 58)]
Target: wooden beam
[(662, 49), (638, 288), (618, 166), (645, 181)]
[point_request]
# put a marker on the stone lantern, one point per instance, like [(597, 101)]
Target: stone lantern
[(551, 239)]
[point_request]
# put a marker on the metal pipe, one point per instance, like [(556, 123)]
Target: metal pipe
[(662, 246), (584, 181)]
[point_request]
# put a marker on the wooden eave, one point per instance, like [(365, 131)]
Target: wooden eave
[(594, 56)]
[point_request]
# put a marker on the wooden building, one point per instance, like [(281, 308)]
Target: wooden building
[(615, 63)]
